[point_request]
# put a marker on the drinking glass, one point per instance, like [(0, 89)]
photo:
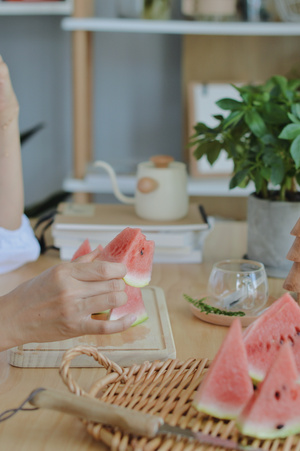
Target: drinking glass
[(238, 285)]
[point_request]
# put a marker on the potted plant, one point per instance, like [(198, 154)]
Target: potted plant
[(261, 135)]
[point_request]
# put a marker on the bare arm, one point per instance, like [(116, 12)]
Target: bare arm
[(59, 302), (11, 178)]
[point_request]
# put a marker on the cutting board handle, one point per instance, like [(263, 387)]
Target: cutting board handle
[(91, 409)]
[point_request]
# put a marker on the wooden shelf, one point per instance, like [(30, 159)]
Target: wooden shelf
[(36, 8), (183, 27)]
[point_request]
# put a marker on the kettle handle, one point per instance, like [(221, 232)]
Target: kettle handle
[(121, 197)]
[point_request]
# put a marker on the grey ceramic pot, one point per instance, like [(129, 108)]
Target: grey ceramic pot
[(269, 238)]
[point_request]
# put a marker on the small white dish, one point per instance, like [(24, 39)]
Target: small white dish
[(225, 320)]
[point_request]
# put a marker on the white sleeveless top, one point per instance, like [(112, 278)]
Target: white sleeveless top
[(17, 247)]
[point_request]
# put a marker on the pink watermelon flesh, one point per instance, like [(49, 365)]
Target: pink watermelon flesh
[(274, 409), (131, 248), (265, 336), (134, 304), (227, 385), (84, 248)]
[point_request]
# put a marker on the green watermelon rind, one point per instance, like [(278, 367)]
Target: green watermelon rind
[(265, 433), (137, 282), (214, 412), (256, 376), (140, 320)]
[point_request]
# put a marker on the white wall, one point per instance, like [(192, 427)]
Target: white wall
[(137, 96)]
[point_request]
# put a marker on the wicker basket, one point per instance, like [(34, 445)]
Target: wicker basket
[(159, 388)]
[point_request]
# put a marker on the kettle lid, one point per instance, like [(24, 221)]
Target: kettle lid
[(161, 161)]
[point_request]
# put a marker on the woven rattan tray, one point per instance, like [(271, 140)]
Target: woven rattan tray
[(160, 388)]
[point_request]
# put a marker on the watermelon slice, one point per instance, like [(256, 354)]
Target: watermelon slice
[(84, 248), (134, 304), (227, 386), (274, 409), (266, 335), (131, 248)]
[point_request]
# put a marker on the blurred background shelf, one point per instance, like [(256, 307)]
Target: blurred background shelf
[(183, 27), (214, 186), (63, 7)]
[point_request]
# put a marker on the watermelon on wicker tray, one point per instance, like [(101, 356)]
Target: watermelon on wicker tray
[(136, 252), (227, 385), (134, 305), (274, 409), (265, 336)]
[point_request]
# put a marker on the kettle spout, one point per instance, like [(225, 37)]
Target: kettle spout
[(120, 196)]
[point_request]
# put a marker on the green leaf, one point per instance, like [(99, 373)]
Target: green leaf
[(238, 178), (209, 148), (269, 157), (214, 152), (229, 104), (277, 173), (296, 110), (295, 151), (266, 173), (282, 82), (290, 131), (219, 117), (258, 181), (233, 119), (294, 84), (274, 114), (255, 123), (293, 118), (201, 128), (268, 139)]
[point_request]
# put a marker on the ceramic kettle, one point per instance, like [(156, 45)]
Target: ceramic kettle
[(161, 191)]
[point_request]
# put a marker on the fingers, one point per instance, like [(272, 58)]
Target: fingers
[(89, 257), (96, 269), (95, 327), (102, 303)]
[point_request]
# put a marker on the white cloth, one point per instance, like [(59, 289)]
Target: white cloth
[(17, 247)]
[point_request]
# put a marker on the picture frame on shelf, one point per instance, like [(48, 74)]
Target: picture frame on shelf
[(201, 107)]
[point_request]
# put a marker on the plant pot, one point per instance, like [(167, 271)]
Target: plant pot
[(269, 239)]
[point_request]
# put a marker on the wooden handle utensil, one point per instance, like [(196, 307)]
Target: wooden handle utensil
[(93, 410)]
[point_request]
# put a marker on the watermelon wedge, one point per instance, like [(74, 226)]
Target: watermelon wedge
[(134, 304), (274, 409), (131, 248), (227, 386), (265, 336), (84, 248)]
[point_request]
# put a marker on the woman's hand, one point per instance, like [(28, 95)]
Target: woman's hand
[(11, 177), (58, 303)]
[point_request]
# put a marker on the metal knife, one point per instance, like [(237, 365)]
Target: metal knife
[(130, 421)]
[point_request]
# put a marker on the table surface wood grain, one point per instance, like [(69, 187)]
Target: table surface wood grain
[(48, 430)]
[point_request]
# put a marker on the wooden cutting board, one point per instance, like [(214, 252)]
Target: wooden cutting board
[(151, 340)]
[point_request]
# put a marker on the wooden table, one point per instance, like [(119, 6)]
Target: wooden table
[(48, 430)]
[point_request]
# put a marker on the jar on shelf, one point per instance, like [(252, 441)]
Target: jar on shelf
[(218, 10), (258, 10), (145, 9)]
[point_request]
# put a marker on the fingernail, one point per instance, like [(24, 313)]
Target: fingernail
[(132, 318)]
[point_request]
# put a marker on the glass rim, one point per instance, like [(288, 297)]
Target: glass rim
[(259, 266)]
